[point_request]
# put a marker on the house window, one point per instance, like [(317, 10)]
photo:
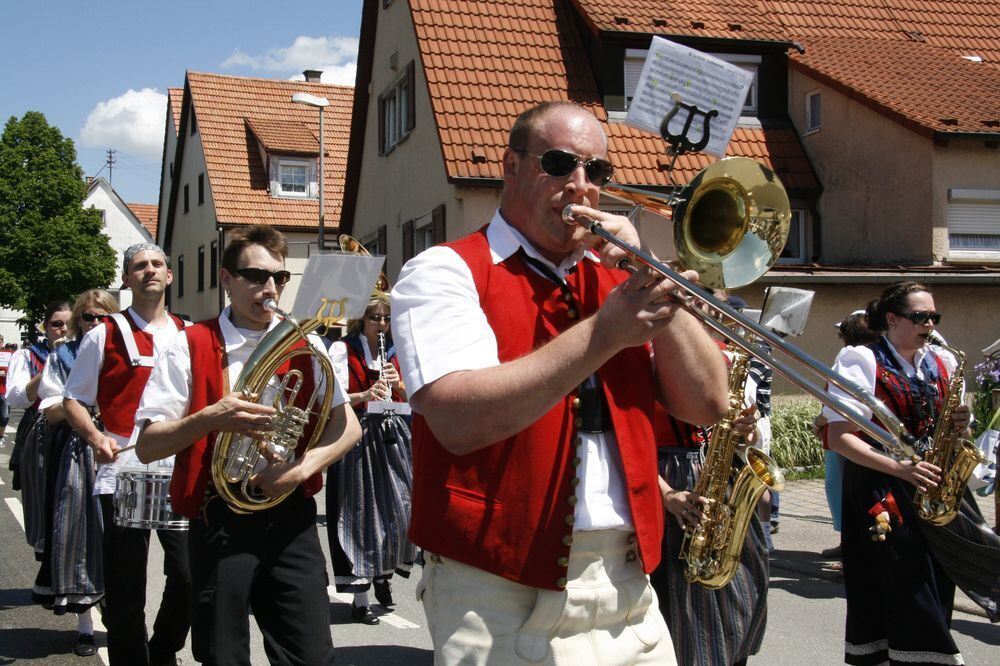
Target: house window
[(397, 111), (194, 122), (812, 111), (187, 199), (201, 188), (635, 58), (180, 276), (795, 246), (201, 268), (293, 178), (973, 221), (213, 275)]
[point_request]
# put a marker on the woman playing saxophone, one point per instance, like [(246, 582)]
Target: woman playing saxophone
[(900, 571)]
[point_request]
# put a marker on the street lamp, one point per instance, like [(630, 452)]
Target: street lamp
[(320, 103)]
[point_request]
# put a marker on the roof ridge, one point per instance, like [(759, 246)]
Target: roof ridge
[(267, 80)]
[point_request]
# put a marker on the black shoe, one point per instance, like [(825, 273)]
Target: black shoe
[(363, 614), (85, 646), (383, 592), (832, 553), (774, 528)]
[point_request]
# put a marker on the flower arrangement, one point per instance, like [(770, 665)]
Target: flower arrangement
[(988, 378)]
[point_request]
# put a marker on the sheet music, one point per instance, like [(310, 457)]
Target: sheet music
[(786, 309), (698, 78)]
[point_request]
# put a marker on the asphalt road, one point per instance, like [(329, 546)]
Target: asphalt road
[(805, 614)]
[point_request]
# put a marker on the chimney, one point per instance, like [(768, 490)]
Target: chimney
[(312, 75)]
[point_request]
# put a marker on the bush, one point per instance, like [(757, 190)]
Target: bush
[(793, 443)]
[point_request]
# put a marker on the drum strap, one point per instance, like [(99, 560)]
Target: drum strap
[(133, 350)]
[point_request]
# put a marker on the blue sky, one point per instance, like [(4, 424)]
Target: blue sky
[(99, 71)]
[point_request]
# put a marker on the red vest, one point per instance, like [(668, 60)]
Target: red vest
[(674, 432), (120, 385), (359, 376), (193, 465), (506, 508)]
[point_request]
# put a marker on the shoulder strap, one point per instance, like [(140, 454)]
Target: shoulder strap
[(125, 326)]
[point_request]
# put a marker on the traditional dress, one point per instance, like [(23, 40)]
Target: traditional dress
[(368, 490), (24, 365), (708, 627), (71, 578), (899, 594)]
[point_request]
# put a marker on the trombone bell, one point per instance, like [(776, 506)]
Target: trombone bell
[(730, 222)]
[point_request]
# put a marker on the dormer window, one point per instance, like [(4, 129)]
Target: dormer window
[(635, 58), (293, 178)]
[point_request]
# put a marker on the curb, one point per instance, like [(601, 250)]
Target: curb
[(961, 605)]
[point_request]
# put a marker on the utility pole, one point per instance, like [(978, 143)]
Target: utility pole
[(111, 162)]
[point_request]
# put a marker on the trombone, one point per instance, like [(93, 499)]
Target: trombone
[(730, 225)]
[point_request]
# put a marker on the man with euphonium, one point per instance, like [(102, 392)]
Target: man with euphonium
[(268, 561), (525, 354), (112, 366)]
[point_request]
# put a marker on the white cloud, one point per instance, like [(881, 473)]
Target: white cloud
[(335, 56), (133, 122)]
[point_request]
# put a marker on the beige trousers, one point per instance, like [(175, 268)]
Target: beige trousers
[(608, 613)]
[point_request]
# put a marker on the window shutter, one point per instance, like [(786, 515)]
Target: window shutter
[(973, 218), (381, 125), (633, 68), (381, 242), (273, 177), (437, 225), (407, 240), (411, 107)]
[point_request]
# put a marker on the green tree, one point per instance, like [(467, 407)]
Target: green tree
[(50, 247)]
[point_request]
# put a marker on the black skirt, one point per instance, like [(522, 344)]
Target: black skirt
[(899, 598)]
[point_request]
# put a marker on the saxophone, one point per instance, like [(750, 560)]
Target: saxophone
[(712, 549), (956, 455)]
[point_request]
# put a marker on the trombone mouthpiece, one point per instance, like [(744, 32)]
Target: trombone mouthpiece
[(567, 215), (272, 305)]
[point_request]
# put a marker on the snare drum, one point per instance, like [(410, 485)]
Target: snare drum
[(142, 500)]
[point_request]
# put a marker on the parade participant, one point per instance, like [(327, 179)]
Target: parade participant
[(267, 561), (5, 355), (112, 365), (535, 488), (24, 376), (71, 579), (368, 490), (853, 331), (720, 627), (899, 595)]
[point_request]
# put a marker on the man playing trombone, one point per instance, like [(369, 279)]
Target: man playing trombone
[(535, 480)]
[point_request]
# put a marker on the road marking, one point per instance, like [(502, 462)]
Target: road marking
[(2, 483), (15, 508), (389, 618)]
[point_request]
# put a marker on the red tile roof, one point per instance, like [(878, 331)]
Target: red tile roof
[(485, 62), (282, 136), (176, 101), (967, 28), (726, 19), (147, 214), (223, 107), (927, 88)]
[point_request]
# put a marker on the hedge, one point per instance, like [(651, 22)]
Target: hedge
[(793, 443)]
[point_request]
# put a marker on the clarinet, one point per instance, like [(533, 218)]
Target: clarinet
[(382, 360)]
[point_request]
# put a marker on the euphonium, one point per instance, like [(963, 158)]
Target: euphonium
[(238, 457), (956, 455), (712, 549)]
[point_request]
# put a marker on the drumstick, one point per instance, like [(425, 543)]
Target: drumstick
[(127, 448)]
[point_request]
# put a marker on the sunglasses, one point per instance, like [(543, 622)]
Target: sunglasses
[(57, 324), (90, 317), (921, 318), (374, 318), (261, 276), (560, 163)]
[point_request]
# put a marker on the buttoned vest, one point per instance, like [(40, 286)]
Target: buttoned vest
[(121, 382), (193, 465), (508, 508)]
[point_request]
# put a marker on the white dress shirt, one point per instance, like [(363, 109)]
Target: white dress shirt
[(168, 392), (438, 327), (338, 356), (18, 376), (82, 383), (858, 364)]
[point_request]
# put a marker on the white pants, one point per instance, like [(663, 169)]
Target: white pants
[(608, 613)]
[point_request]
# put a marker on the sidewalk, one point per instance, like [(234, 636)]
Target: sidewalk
[(807, 529)]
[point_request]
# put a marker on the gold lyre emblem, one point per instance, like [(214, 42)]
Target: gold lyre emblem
[(331, 312)]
